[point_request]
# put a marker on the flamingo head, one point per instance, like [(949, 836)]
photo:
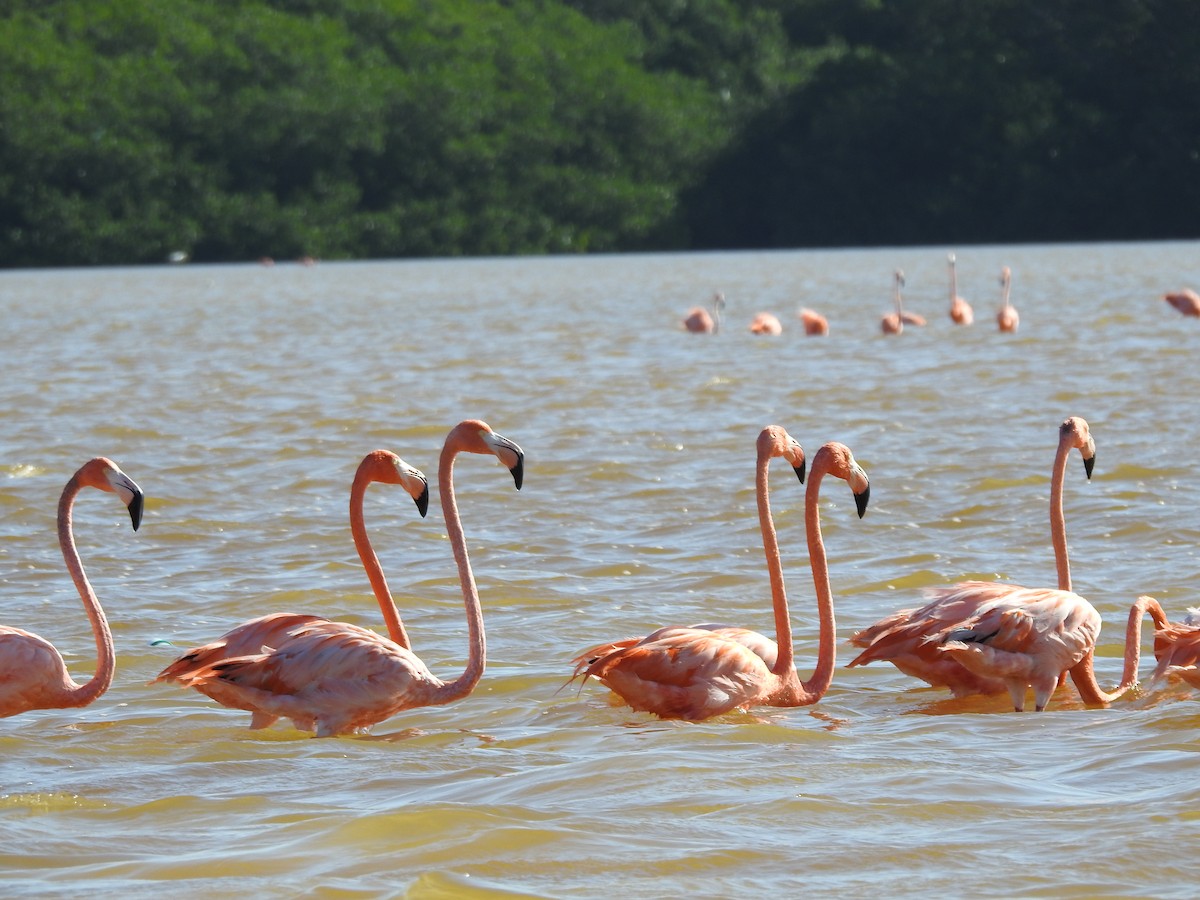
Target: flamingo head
[(775, 441), (1076, 433)]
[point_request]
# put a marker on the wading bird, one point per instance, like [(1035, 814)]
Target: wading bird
[(32, 672), (346, 680), (706, 670)]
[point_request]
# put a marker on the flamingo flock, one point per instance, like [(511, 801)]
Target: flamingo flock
[(333, 678)]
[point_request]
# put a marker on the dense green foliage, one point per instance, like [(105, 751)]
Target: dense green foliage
[(384, 128)]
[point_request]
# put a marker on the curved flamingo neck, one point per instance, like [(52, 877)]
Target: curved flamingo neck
[(362, 543), (1058, 526), (822, 675), (785, 659), (106, 662), (1084, 675), (477, 645)]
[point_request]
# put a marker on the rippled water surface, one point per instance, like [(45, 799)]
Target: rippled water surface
[(242, 398)]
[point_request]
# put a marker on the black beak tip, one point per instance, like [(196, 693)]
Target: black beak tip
[(423, 502), (861, 500), (135, 510), (1088, 465), (518, 472), (800, 470)]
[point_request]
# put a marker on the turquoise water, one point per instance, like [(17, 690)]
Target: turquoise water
[(241, 398)]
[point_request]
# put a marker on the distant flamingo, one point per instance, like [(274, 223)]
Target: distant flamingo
[(277, 629), (1007, 319), (706, 670), (32, 673), (346, 680), (893, 322), (766, 323), (1186, 301), (700, 321), (960, 309), (814, 322), (987, 637), (1177, 649)]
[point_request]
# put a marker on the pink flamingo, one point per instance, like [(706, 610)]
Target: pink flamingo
[(814, 323), (1007, 319), (1177, 649), (1186, 301), (346, 680), (706, 670), (277, 629), (960, 309), (893, 322), (32, 673), (766, 323), (700, 321), (988, 637)]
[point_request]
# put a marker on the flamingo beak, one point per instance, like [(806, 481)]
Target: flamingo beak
[(423, 502), (518, 470), (799, 470), (1088, 465), (861, 499), (136, 504)]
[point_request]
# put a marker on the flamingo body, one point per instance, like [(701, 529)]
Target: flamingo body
[(766, 323), (700, 321), (1186, 301), (814, 323), (328, 680), (701, 671), (337, 678), (33, 674)]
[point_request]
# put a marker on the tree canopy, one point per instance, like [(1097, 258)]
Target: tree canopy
[(391, 128)]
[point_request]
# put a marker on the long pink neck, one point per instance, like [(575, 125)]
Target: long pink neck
[(785, 660), (1083, 674), (1058, 525), (106, 654), (358, 528), (477, 646), (822, 675)]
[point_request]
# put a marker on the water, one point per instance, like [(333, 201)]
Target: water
[(241, 398)]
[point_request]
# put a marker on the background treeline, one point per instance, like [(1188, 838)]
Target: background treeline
[(386, 128)]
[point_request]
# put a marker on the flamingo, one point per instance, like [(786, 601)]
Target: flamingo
[(988, 637), (814, 322), (277, 629), (766, 323), (337, 681), (1007, 318), (893, 322), (700, 321), (706, 670), (1186, 301), (32, 672), (1177, 649), (960, 309)]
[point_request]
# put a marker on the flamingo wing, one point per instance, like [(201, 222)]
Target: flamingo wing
[(249, 638)]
